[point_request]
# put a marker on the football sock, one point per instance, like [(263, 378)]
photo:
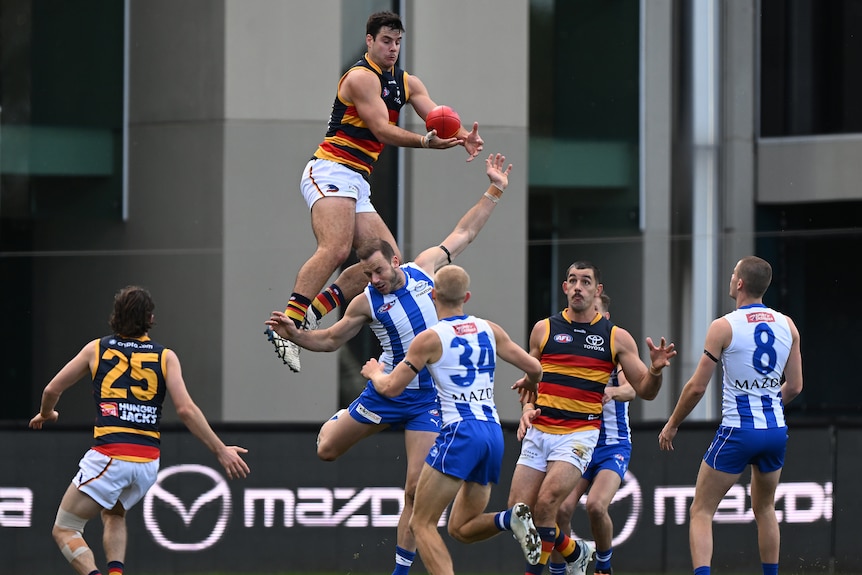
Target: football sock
[(702, 570), (95, 572), (770, 568), (547, 535), (567, 546), (503, 520), (115, 568), (557, 568), (403, 561), (327, 300), (296, 308), (603, 560)]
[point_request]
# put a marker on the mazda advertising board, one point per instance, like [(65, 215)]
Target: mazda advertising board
[(296, 513)]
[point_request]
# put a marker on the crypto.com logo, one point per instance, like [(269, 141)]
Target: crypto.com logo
[(219, 490)]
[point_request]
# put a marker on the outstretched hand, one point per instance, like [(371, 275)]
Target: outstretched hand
[(233, 464), (282, 325), (527, 390), (660, 356), (494, 169), (437, 143), (473, 143)]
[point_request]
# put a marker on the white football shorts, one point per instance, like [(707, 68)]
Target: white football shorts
[(108, 480)]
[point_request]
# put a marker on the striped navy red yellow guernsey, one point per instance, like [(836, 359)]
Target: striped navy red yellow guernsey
[(577, 362), (348, 140), (129, 384)]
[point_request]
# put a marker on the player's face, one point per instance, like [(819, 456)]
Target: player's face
[(581, 289), (383, 274), (734, 281), (384, 49)]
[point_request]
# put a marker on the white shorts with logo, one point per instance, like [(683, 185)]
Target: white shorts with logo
[(327, 179), (538, 448), (108, 480)]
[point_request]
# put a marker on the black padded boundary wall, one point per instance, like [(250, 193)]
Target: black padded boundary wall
[(297, 513)]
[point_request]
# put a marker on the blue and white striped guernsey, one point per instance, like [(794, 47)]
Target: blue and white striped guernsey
[(615, 419), (753, 365), (400, 316), (464, 373)]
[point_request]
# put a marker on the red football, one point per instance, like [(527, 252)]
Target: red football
[(445, 120)]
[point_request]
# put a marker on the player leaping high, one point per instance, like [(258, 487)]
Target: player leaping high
[(335, 184)]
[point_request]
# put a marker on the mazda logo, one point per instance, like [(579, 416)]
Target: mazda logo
[(218, 491)]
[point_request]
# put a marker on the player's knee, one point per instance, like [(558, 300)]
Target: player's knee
[(327, 450), (335, 254), (596, 509), (457, 533), (417, 528), (68, 533), (565, 512), (409, 493)]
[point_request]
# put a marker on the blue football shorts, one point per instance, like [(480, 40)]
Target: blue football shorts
[(470, 450), (414, 409), (615, 457), (733, 448)]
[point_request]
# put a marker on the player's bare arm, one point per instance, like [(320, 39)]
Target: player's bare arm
[(357, 314), (194, 419), (792, 385), (514, 354), (76, 369), (472, 222), (645, 380), (718, 337), (622, 392), (422, 104), (537, 338), (362, 88), (425, 348)]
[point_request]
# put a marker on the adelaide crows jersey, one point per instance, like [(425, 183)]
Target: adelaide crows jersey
[(129, 385), (577, 362), (348, 140)]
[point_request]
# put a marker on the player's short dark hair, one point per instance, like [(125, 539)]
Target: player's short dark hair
[(606, 302), (380, 20), (756, 275), (585, 265), (367, 249), (133, 312)]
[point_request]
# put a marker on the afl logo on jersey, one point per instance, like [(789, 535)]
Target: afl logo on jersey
[(385, 307), (563, 338), (595, 340), (385, 92)]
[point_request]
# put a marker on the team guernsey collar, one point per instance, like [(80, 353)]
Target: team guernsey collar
[(591, 322), (751, 305), (374, 65)]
